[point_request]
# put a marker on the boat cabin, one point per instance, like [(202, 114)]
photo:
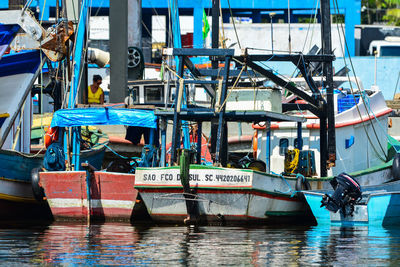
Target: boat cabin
[(361, 124)]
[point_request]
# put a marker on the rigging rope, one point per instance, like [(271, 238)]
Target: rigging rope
[(362, 96), (312, 21), (234, 25), (290, 39), (223, 42)]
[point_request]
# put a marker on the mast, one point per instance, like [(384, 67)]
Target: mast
[(327, 157), (77, 67), (219, 130)]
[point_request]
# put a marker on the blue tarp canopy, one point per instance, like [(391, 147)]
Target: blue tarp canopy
[(104, 116), (7, 34)]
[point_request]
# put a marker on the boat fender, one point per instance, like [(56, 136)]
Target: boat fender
[(255, 144), (37, 190), (396, 167), (51, 136), (302, 185)]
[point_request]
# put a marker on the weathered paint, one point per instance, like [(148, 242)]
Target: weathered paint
[(259, 197), (380, 209), (112, 195)]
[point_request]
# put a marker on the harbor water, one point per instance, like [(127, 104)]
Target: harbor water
[(133, 245)]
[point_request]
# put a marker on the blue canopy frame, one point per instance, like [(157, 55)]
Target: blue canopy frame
[(104, 116), (100, 116)]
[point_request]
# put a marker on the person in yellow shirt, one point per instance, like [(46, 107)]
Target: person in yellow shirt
[(95, 94)]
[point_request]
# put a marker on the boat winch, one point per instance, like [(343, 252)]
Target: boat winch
[(347, 193)]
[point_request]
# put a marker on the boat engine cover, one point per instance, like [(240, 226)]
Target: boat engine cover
[(347, 193)]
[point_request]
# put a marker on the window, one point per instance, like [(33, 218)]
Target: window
[(154, 94), (390, 51), (172, 92), (133, 95), (283, 146)]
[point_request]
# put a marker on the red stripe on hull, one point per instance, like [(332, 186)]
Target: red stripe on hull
[(104, 186), (78, 213), (220, 191)]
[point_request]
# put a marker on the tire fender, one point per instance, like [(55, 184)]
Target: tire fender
[(396, 167), (38, 191), (302, 185)]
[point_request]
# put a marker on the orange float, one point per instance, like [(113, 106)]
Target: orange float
[(51, 136)]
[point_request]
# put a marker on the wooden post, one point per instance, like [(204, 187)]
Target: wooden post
[(189, 194), (89, 174)]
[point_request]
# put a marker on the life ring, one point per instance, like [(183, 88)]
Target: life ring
[(38, 191), (51, 136), (302, 185), (396, 167), (255, 144)]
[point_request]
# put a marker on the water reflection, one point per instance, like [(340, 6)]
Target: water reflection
[(361, 245), (124, 244), (94, 244)]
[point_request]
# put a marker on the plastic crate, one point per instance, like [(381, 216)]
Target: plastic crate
[(347, 102)]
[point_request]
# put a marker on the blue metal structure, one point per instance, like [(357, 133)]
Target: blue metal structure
[(258, 10), (78, 63), (176, 30)]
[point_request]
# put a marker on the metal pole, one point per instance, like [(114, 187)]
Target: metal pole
[(299, 136), (376, 59), (328, 73), (215, 28), (118, 50), (271, 15), (134, 18), (221, 151), (199, 141), (268, 145), (290, 38), (163, 127), (323, 146), (177, 123), (214, 64)]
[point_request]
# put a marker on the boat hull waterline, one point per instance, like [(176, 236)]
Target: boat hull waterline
[(230, 194), (112, 195), (380, 209)]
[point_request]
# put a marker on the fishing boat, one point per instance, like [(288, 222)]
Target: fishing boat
[(361, 126), (350, 204), (18, 72), (250, 191), (87, 192)]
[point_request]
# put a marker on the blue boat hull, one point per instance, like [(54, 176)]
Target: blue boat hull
[(15, 173), (380, 209)]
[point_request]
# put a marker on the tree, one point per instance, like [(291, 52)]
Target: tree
[(380, 12)]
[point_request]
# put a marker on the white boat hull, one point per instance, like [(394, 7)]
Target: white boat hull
[(224, 194)]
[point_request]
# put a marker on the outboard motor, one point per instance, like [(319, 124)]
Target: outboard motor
[(347, 194)]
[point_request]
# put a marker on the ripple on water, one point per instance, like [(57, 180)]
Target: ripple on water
[(125, 244)]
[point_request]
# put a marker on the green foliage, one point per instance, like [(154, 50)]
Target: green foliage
[(380, 11), (307, 20), (338, 18), (393, 17)]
